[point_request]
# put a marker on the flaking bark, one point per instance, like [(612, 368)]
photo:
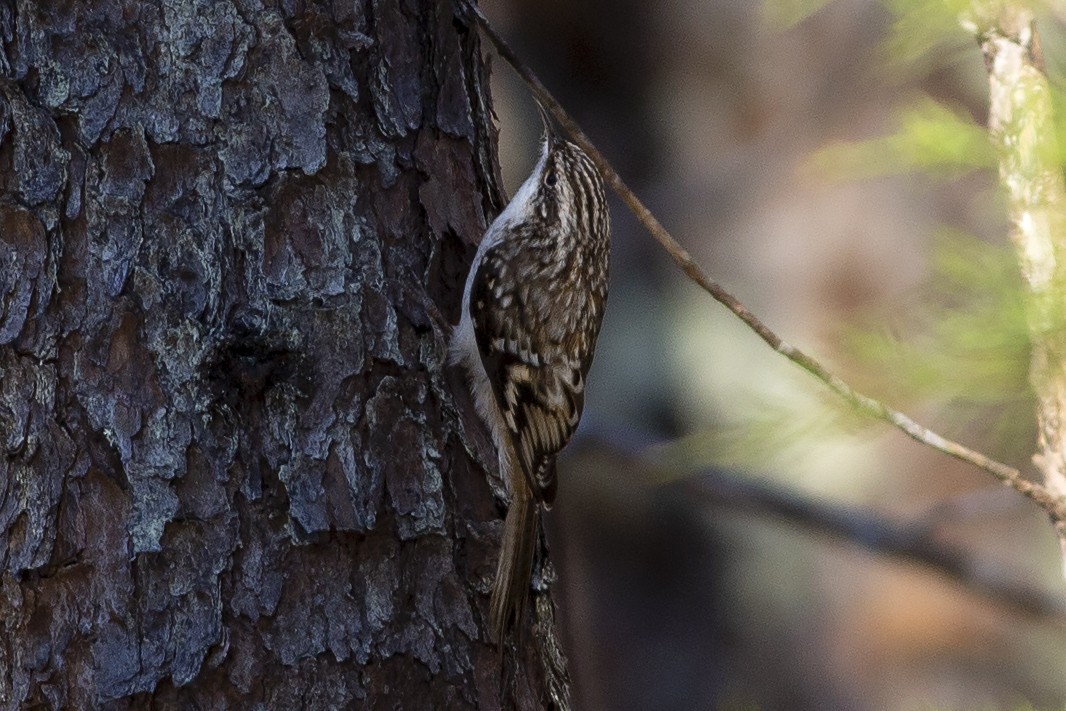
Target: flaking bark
[(233, 474)]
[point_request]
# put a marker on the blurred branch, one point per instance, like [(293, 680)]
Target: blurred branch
[(1053, 505), (881, 536), (909, 541), (1021, 126)]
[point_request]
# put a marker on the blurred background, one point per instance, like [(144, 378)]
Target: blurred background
[(827, 165)]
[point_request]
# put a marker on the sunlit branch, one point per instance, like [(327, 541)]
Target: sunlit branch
[(1021, 126)]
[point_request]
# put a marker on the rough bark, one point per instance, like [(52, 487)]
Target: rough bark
[(233, 473)]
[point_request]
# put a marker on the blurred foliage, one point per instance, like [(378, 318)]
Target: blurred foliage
[(966, 345), (931, 138), (964, 352), (968, 338), (762, 413), (773, 436), (920, 26), (783, 14), (965, 342), (961, 345), (925, 32)]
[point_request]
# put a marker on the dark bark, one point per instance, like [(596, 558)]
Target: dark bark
[(233, 470)]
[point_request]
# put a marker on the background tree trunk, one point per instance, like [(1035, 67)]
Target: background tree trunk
[(232, 473)]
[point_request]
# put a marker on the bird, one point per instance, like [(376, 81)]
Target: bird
[(532, 308)]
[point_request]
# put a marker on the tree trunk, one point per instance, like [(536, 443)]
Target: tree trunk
[(234, 474)]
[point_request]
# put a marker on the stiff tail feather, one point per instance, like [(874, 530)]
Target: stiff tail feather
[(511, 587)]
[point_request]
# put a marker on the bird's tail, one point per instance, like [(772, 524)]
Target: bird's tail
[(511, 587)]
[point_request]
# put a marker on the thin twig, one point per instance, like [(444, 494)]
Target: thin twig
[(1006, 474)]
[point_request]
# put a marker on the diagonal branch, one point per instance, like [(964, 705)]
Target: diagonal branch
[(1008, 475)]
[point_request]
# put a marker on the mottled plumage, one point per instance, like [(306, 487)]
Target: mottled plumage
[(532, 309)]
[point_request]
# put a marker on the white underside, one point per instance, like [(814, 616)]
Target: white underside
[(463, 348)]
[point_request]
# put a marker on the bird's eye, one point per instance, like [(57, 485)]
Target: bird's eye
[(551, 179)]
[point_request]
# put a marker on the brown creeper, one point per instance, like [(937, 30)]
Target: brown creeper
[(532, 309)]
